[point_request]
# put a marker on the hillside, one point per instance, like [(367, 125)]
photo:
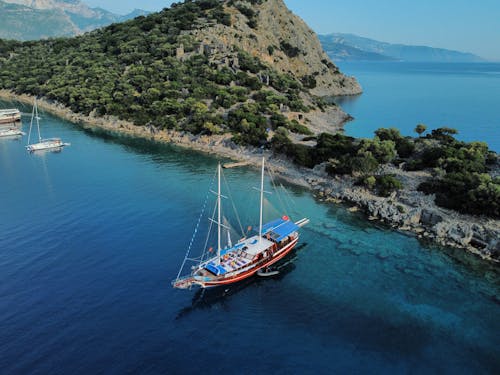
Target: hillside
[(206, 67), (345, 47), (39, 19)]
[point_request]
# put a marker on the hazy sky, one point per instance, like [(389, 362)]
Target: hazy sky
[(464, 25)]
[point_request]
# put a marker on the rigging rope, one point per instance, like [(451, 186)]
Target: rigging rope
[(196, 228), (202, 257), (232, 203), (283, 203)]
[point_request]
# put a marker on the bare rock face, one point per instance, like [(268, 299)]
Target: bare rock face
[(430, 217), (282, 40)]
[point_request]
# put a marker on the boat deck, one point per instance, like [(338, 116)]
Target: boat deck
[(233, 262)]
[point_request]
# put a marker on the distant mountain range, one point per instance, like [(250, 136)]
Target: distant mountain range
[(39, 19), (350, 47)]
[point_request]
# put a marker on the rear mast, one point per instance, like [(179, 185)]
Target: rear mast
[(261, 199)]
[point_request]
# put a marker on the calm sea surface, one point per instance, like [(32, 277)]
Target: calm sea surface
[(91, 237), (464, 96)]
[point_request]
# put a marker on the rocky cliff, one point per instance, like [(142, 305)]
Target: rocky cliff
[(270, 31)]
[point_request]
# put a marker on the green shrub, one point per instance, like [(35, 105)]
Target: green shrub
[(298, 128), (364, 162), (289, 50), (475, 193), (420, 129), (333, 146), (444, 134), (368, 181), (404, 146), (300, 154), (383, 150), (386, 184), (391, 134), (280, 141), (309, 81), (249, 63)]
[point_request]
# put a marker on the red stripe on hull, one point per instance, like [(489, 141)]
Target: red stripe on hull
[(252, 271)]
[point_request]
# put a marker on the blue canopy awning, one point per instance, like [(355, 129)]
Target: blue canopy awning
[(279, 229), (216, 270)]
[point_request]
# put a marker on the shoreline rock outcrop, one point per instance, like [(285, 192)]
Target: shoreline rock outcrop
[(421, 216)]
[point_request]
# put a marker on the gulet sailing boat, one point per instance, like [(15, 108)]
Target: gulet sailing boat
[(234, 263), (42, 144)]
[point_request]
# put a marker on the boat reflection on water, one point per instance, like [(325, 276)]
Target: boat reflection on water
[(11, 137), (208, 298)]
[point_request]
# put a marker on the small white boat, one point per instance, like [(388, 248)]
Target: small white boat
[(11, 132), (42, 144), (8, 116), (46, 144), (267, 273)]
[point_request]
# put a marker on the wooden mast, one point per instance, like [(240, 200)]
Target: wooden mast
[(261, 199)]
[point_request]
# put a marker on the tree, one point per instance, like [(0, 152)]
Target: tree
[(364, 163), (444, 134), (386, 184), (391, 134), (383, 151), (369, 182), (420, 129)]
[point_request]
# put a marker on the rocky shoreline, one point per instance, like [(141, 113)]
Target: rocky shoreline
[(411, 211), (406, 210)]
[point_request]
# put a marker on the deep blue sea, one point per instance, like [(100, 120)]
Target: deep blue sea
[(91, 237), (464, 96)]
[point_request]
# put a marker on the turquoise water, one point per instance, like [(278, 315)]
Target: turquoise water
[(91, 237), (463, 96)]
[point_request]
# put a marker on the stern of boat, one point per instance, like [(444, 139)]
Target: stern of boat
[(184, 283)]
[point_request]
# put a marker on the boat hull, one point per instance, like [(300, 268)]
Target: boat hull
[(47, 145), (247, 273), (8, 116), (11, 133), (10, 119)]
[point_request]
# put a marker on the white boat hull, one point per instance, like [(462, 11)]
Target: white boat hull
[(11, 133), (46, 145), (9, 116)]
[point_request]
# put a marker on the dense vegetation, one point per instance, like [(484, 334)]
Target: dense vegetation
[(462, 180), (134, 71), (460, 170)]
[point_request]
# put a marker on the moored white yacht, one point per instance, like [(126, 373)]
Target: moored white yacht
[(42, 144), (9, 116)]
